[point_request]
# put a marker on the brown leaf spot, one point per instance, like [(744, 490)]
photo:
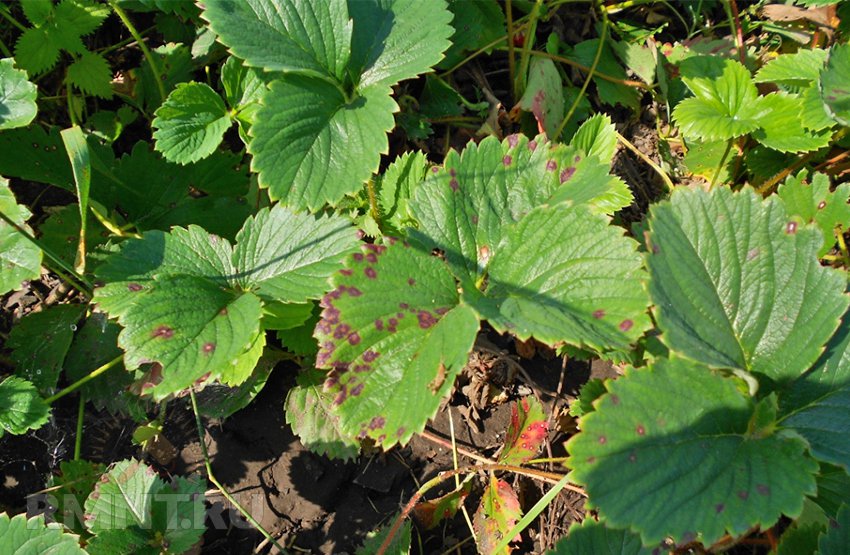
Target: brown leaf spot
[(370, 355), (379, 324), (370, 272), (602, 440), (346, 272), (763, 489), (372, 258), (357, 390), (822, 205), (719, 508), (752, 253), (426, 319), (791, 228), (222, 312), (134, 287), (163, 332), (209, 348), (454, 184), (377, 422), (743, 495), (615, 400), (567, 173), (354, 338), (411, 282), (640, 430), (358, 256), (532, 145), (551, 166)]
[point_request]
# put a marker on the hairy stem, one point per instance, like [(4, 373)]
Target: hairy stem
[(84, 380)]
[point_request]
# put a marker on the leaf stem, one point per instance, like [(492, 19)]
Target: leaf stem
[(374, 211), (4, 11), (483, 49), (602, 38), (603, 76), (217, 484), (66, 272), (5, 49), (520, 81), (721, 164), (144, 47), (78, 439), (85, 379), (509, 16)]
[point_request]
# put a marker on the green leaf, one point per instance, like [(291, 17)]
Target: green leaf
[(244, 86), (299, 36), (782, 127), (36, 11), (191, 123), (587, 291), (309, 412), (835, 84), (69, 490), (799, 540), (80, 158), (173, 66), (814, 202), (34, 537), (19, 258), (133, 498), (608, 92), (311, 147), (400, 544), (544, 96), (596, 538), (476, 23), (36, 50), (40, 341), (526, 433), (630, 458), (21, 408), (192, 303), (395, 40), (91, 74), (814, 115), (725, 103), (17, 96), (395, 338), (220, 401), (589, 393), (793, 70), (396, 187), (736, 283), (496, 516), (76, 18), (817, 405), (597, 136), (837, 537), (833, 489)]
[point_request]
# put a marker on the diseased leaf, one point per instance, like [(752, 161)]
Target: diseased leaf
[(217, 400), (526, 432), (814, 202), (782, 127), (597, 136), (736, 283), (308, 411), (70, 489), (596, 538), (40, 341), (497, 514), (394, 338), (633, 459), (35, 537), (20, 259), (21, 408), (835, 84), (544, 96), (430, 513), (17, 96), (191, 123)]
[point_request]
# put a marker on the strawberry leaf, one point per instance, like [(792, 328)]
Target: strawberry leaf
[(725, 104), (814, 202), (544, 96), (835, 84), (596, 538), (496, 516), (395, 338), (32, 536), (782, 127), (744, 478), (21, 408), (191, 123), (526, 432), (17, 96), (737, 284), (837, 536), (793, 70), (20, 259)]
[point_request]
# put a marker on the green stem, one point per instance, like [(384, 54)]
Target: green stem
[(78, 440), (84, 380), (67, 273), (106, 50), (509, 16), (5, 50), (217, 484), (602, 38), (519, 83), (721, 164), (374, 211), (531, 514), (144, 47), (4, 11)]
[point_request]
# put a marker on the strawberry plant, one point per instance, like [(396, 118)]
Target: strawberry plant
[(375, 215)]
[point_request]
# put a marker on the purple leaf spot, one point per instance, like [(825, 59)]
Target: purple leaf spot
[(763, 489), (354, 338), (372, 258), (400, 431), (411, 282), (358, 257), (392, 322), (435, 169), (599, 314), (452, 172), (370, 355), (551, 166), (513, 140), (743, 495), (441, 310), (426, 319), (626, 325), (331, 315), (357, 390), (134, 287), (719, 508), (591, 460), (323, 326), (341, 331), (346, 272), (377, 422), (532, 145), (399, 315), (163, 332), (403, 306), (602, 440), (360, 368), (507, 160), (567, 173), (379, 324), (370, 272), (454, 184), (791, 228), (340, 397), (640, 430), (354, 292), (615, 400)]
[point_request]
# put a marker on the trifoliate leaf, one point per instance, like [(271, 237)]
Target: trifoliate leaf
[(20, 259), (596, 538), (397, 40), (40, 341), (816, 203), (782, 126), (191, 302), (17, 96), (817, 405), (133, 498), (497, 514), (597, 136), (544, 96), (793, 70), (191, 123), (396, 187), (301, 36), (91, 74), (837, 536), (21, 407), (835, 84), (244, 86), (330, 146), (814, 115), (35, 537), (526, 432), (737, 284), (725, 104), (741, 479), (394, 337), (476, 23), (587, 291), (37, 50), (309, 412)]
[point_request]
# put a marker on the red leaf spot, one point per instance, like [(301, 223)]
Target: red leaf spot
[(640, 430), (358, 257), (163, 331), (452, 172), (602, 440), (370, 272), (331, 315), (354, 292), (354, 338), (567, 173), (532, 145), (626, 325), (346, 272), (370, 355), (209, 348), (134, 287), (357, 390), (599, 314), (400, 431), (454, 184), (551, 165), (791, 228), (411, 282), (435, 169), (341, 331), (379, 324), (377, 422), (507, 160), (372, 258), (426, 319)]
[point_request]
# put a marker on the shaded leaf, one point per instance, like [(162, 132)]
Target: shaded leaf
[(21, 407), (544, 96), (837, 536), (476, 23), (19, 258), (17, 96), (596, 538), (191, 123), (835, 84), (70, 489), (400, 544), (430, 513), (91, 74)]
